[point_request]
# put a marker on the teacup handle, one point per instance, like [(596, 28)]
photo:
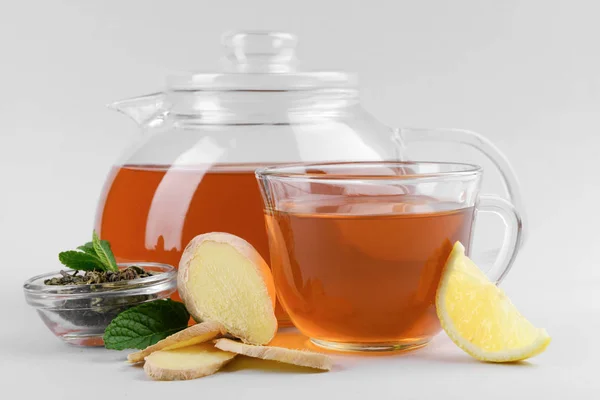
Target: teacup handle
[(512, 234)]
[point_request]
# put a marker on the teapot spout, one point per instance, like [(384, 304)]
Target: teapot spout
[(144, 109)]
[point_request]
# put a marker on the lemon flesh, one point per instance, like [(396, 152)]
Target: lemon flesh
[(479, 317)]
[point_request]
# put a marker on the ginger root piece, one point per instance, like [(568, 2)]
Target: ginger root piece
[(199, 333), (222, 278), (303, 358), (186, 363)]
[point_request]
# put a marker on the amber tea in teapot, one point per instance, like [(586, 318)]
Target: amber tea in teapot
[(166, 207)]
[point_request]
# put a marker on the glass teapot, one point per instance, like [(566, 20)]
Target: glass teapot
[(193, 169)]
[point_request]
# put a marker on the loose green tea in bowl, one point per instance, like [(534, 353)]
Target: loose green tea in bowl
[(98, 264), (95, 277), (78, 305)]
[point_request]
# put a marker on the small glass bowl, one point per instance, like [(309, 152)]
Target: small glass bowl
[(78, 314)]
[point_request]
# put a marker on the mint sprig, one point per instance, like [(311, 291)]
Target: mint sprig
[(104, 253), (88, 248), (92, 256), (145, 324), (81, 261)]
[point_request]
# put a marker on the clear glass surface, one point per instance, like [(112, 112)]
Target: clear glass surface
[(79, 314)]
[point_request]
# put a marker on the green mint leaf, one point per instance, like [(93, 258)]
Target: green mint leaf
[(80, 261), (104, 253), (88, 248), (145, 324)]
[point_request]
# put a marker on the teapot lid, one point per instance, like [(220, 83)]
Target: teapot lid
[(261, 61)]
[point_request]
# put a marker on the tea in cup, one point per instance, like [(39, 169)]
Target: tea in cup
[(358, 249)]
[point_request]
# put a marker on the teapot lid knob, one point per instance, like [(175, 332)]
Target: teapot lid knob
[(259, 52), (260, 61)]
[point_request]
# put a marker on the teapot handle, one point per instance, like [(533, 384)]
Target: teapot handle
[(406, 135)]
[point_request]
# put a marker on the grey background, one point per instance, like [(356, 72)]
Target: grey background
[(524, 73)]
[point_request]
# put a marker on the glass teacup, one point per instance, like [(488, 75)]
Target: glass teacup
[(358, 249)]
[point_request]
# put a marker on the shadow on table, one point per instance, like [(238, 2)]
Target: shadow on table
[(440, 349)]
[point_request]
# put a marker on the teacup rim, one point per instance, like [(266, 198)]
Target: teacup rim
[(286, 171)]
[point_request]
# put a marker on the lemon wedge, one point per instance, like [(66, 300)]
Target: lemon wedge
[(479, 317)]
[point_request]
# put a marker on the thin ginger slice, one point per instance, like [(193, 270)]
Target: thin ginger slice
[(303, 358), (198, 333), (186, 363), (222, 278)]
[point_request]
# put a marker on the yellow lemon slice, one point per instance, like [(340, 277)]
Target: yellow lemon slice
[(479, 317)]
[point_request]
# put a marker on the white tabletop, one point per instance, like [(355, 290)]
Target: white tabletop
[(568, 306)]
